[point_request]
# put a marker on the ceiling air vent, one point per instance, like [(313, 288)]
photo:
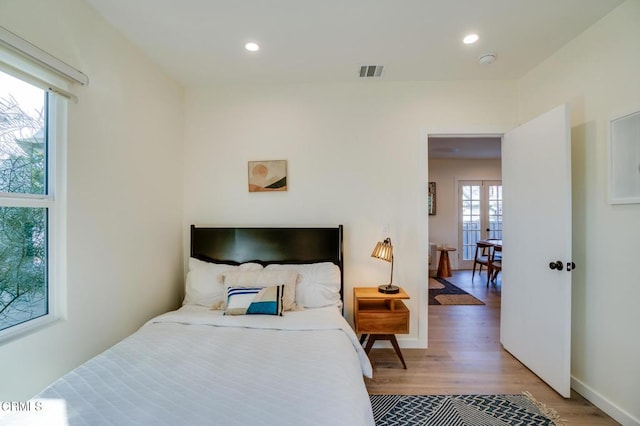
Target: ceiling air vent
[(371, 71)]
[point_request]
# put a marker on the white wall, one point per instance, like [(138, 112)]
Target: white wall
[(356, 154), (597, 73), (124, 193), (443, 226)]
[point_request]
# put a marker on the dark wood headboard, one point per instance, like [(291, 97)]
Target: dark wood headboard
[(268, 245)]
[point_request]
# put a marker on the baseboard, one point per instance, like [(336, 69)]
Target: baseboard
[(597, 399)]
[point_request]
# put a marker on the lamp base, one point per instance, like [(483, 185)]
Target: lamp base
[(388, 289)]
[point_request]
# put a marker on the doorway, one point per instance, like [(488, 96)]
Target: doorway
[(471, 165), (452, 160), (542, 342)]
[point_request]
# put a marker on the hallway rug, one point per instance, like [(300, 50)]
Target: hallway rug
[(462, 410), (442, 292)]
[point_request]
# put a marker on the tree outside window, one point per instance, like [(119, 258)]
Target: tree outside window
[(23, 181)]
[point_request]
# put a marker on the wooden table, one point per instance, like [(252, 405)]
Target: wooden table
[(380, 316), (444, 266), (492, 242)]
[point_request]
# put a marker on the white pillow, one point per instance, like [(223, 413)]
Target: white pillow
[(318, 283), (250, 267), (265, 279), (204, 281)]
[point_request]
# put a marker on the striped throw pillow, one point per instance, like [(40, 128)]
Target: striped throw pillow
[(254, 300)]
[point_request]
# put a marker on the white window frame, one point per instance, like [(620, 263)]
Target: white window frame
[(55, 203)]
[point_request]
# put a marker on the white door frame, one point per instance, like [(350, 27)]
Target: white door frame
[(423, 231)]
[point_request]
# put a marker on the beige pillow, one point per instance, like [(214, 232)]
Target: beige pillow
[(265, 279)]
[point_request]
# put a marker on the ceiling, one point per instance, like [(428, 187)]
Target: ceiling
[(202, 41)]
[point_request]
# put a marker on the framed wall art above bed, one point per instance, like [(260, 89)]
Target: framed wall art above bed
[(267, 176)]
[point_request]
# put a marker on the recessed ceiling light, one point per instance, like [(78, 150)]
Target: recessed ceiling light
[(470, 39), (252, 47)]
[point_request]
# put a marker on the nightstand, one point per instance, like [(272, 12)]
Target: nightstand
[(380, 316)]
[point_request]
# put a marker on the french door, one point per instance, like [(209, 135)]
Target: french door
[(480, 216)]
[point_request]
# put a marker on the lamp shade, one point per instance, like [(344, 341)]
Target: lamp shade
[(383, 250)]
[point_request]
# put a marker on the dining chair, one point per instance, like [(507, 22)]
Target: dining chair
[(483, 251), (494, 265), (492, 241)]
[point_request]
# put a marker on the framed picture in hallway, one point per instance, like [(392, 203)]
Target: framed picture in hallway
[(432, 198)]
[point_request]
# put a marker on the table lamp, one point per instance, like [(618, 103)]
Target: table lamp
[(384, 251)]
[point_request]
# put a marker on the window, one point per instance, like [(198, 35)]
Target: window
[(30, 177), (480, 216)]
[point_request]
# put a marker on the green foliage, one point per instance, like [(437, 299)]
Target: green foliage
[(22, 229)]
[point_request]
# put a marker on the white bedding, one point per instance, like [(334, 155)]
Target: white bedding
[(195, 367)]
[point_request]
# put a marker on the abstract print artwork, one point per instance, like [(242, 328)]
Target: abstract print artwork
[(267, 176)]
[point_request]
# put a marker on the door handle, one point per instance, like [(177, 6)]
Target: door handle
[(559, 266), (556, 265)]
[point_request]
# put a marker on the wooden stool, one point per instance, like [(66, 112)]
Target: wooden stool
[(444, 266)]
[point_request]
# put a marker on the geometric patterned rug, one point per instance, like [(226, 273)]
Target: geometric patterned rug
[(442, 292), (461, 410)]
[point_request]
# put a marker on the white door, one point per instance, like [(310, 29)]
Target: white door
[(535, 319)]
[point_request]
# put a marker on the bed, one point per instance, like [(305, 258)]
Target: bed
[(196, 365)]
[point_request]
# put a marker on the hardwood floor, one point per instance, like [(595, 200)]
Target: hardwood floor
[(465, 357)]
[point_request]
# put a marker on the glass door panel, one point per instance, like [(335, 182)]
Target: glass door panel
[(480, 216), (494, 213), (470, 217)]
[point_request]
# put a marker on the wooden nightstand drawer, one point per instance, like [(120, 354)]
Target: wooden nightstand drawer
[(375, 317)]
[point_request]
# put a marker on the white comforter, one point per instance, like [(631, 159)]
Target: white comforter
[(196, 367)]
